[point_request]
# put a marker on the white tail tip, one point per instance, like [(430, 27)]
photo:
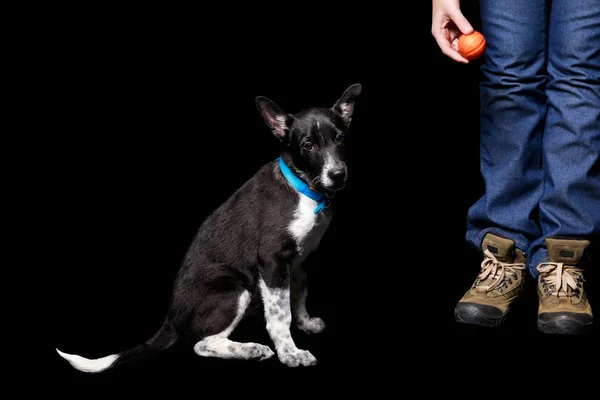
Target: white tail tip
[(87, 365)]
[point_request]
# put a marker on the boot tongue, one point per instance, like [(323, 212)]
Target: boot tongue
[(566, 251), (500, 247)]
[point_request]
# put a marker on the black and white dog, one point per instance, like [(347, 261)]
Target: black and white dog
[(255, 243)]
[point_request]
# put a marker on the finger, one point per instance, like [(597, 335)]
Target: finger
[(447, 49), (454, 34), (455, 44), (460, 21)]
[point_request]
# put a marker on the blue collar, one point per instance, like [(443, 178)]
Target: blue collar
[(302, 187)]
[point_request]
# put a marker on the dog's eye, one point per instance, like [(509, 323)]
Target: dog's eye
[(308, 146), (339, 138)]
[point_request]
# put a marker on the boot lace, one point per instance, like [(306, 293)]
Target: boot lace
[(557, 278), (498, 273)]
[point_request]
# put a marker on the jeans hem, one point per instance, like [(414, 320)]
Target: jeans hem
[(476, 238)]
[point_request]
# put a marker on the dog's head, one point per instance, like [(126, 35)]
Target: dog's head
[(314, 138)]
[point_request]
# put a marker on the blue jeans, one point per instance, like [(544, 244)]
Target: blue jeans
[(540, 123)]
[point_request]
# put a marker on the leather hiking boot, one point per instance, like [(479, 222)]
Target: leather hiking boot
[(497, 286), (563, 305)]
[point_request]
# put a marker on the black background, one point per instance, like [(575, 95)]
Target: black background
[(155, 125)]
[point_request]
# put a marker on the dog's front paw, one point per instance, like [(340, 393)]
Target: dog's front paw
[(311, 325), (293, 357)]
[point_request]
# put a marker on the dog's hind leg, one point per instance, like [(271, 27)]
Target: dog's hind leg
[(222, 319)]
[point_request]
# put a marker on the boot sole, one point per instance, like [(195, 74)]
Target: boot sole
[(563, 325), (470, 313)]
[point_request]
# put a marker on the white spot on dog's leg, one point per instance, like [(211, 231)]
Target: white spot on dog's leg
[(89, 365), (278, 316), (221, 347)]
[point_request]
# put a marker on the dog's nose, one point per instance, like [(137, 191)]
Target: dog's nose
[(337, 175)]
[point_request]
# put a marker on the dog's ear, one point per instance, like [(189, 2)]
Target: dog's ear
[(278, 121), (345, 105)]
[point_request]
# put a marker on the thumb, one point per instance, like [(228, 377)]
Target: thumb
[(460, 21)]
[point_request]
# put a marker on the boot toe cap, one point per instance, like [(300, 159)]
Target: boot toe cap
[(478, 314), (564, 322)]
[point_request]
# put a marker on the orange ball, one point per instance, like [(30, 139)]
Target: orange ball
[(471, 46)]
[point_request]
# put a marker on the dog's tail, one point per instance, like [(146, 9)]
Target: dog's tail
[(162, 340)]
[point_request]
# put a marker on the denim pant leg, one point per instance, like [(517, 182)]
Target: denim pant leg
[(513, 108), (570, 206)]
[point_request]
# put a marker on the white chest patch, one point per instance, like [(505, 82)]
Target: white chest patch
[(306, 227)]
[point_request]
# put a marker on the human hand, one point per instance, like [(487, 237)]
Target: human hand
[(447, 24)]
